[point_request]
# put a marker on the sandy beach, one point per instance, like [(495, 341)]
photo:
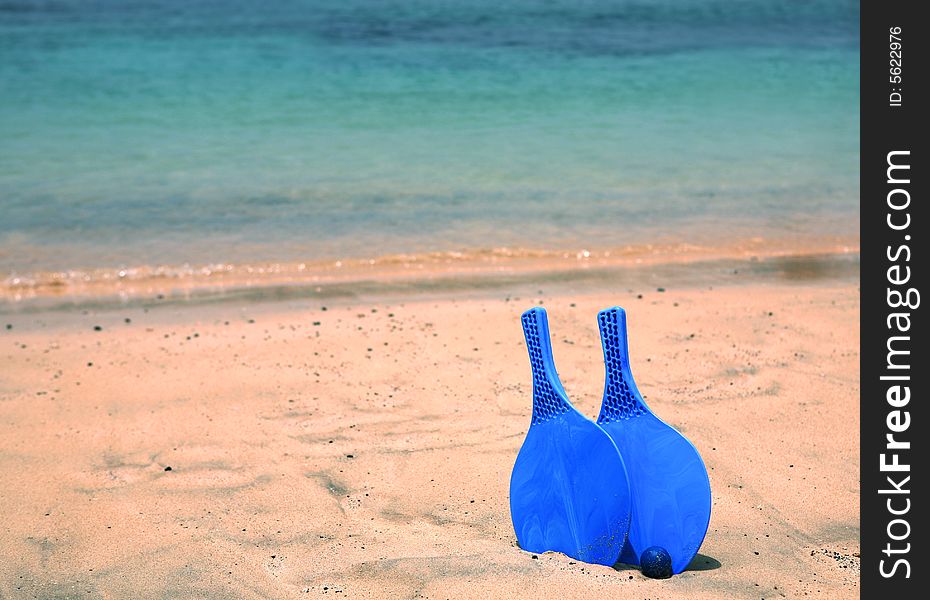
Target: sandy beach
[(262, 268), (362, 447)]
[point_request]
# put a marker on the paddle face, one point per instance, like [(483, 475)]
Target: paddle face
[(671, 491), (568, 491)]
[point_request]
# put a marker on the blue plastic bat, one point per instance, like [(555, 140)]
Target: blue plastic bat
[(671, 491), (569, 490)]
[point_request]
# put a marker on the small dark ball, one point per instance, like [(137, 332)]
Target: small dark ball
[(656, 563)]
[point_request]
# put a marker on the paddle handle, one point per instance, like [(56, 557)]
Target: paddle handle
[(549, 398), (621, 398)]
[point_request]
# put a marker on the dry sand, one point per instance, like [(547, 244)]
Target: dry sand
[(365, 450)]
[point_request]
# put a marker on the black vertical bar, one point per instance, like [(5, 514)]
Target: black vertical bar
[(894, 266)]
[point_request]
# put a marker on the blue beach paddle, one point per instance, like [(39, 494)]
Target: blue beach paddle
[(569, 490), (671, 491)]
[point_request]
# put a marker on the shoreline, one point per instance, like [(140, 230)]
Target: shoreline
[(477, 271)]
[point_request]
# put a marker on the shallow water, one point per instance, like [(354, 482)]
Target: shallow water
[(147, 133)]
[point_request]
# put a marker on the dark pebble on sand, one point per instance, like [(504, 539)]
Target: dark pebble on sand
[(90, 364), (317, 323), (323, 308), (167, 468), (534, 557), (639, 296), (9, 326), (251, 320), (98, 328), (350, 456), (127, 320), (660, 289)]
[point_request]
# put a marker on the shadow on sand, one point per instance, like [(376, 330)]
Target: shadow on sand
[(700, 562)]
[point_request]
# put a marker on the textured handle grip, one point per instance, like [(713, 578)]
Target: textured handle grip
[(621, 398), (549, 399)]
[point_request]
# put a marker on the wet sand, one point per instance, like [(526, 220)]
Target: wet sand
[(277, 449), (459, 270)]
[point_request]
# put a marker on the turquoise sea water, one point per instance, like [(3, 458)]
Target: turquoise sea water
[(165, 132)]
